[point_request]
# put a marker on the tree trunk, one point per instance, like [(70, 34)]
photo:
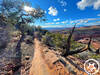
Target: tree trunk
[(18, 52)]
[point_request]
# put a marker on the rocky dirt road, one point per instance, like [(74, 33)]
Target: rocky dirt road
[(48, 62), (43, 64)]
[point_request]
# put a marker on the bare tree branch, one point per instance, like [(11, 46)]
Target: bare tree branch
[(69, 38), (78, 50), (90, 49), (89, 44), (69, 41), (98, 51)]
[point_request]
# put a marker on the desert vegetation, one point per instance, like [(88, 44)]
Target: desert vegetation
[(66, 42), (22, 44)]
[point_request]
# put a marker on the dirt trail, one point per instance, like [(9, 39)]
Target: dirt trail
[(49, 62), (38, 65), (44, 64)]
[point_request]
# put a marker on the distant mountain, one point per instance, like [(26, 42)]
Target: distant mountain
[(82, 32), (50, 29), (90, 27), (63, 28)]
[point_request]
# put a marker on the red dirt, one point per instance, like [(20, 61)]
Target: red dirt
[(43, 66), (96, 45)]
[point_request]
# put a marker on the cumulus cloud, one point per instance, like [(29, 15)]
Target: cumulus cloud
[(56, 19), (52, 11), (87, 3), (97, 4)]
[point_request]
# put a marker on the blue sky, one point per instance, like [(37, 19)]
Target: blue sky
[(65, 13)]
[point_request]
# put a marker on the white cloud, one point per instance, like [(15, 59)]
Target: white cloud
[(72, 22), (87, 3), (92, 23), (65, 10), (56, 19), (57, 22), (97, 4), (52, 11), (98, 15), (85, 21), (64, 22), (92, 19), (79, 22), (62, 2)]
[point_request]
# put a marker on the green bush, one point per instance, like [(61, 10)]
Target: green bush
[(95, 56), (58, 40)]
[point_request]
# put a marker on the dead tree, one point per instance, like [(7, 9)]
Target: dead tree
[(87, 47), (67, 50), (91, 49)]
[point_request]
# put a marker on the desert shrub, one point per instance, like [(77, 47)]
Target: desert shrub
[(58, 40), (83, 55), (75, 45), (95, 56)]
